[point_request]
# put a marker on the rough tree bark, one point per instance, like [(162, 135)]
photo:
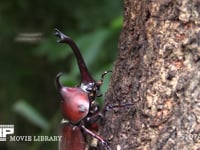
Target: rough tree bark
[(157, 69)]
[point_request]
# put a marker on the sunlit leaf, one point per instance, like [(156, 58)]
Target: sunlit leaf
[(28, 112)]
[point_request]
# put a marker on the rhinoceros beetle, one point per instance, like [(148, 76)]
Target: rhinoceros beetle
[(79, 109)]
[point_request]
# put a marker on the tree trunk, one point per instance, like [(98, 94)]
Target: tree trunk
[(158, 70)]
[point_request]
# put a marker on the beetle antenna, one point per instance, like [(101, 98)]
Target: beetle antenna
[(85, 75)]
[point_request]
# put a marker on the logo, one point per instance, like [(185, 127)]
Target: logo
[(6, 130)]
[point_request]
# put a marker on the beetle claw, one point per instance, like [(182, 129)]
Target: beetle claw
[(103, 75), (105, 144)]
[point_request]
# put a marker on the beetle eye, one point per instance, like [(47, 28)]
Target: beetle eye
[(87, 87)]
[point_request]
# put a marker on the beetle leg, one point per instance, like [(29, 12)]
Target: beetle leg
[(99, 95), (102, 77), (94, 117), (111, 106), (104, 143)]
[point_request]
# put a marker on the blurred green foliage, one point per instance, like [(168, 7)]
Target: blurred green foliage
[(30, 58)]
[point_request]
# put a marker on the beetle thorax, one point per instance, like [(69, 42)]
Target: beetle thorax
[(75, 104)]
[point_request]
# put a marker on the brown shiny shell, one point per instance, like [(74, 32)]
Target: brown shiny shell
[(75, 104), (72, 137)]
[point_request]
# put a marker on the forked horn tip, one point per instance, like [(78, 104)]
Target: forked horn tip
[(60, 35), (57, 32)]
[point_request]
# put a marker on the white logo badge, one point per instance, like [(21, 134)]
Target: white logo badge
[(5, 130)]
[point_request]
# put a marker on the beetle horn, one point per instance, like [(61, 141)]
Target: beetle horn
[(58, 84), (85, 75)]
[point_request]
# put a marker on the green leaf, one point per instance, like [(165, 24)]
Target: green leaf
[(91, 44), (54, 51), (117, 23), (28, 112)]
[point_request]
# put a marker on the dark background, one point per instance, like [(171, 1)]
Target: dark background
[(30, 58)]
